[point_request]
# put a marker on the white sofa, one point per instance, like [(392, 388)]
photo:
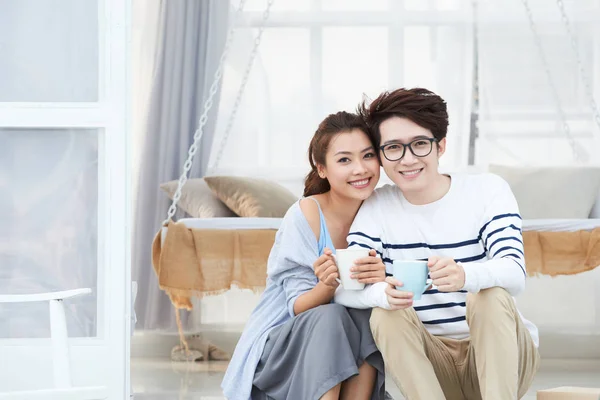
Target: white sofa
[(566, 309)]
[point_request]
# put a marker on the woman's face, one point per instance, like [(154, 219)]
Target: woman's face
[(352, 167)]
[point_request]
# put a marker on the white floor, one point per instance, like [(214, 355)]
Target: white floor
[(159, 379)]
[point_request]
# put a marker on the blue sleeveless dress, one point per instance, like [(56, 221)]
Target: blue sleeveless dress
[(324, 237)]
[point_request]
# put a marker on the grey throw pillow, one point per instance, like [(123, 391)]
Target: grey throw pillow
[(252, 197), (552, 192), (197, 199)]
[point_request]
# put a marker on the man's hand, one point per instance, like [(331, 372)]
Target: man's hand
[(326, 269), (369, 269), (447, 275), (398, 299)]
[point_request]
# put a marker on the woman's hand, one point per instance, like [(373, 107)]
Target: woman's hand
[(326, 269), (369, 269)]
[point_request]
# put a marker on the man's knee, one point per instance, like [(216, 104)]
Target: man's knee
[(378, 317), (391, 320), (489, 302)]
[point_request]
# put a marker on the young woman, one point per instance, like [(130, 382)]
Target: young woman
[(298, 345)]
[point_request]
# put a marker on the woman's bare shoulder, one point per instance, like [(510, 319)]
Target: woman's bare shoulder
[(310, 209)]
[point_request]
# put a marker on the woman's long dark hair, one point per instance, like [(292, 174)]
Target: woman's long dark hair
[(331, 126)]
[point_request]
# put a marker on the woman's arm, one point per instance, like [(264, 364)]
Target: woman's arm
[(319, 295)]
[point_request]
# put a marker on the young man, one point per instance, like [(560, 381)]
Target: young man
[(465, 337)]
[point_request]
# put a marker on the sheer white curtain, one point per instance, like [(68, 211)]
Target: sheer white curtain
[(519, 121), (144, 37), (177, 58), (519, 125), (319, 57)]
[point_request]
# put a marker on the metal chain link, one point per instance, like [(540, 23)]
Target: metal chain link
[(241, 89), (567, 130), (187, 166), (584, 78)]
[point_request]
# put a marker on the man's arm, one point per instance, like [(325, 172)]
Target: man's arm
[(366, 229), (370, 297), (502, 239)]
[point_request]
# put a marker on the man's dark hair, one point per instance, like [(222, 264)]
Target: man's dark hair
[(419, 105)]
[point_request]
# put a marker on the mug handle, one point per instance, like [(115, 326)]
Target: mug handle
[(335, 259), (427, 284)]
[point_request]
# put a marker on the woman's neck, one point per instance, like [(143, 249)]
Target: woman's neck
[(340, 208)]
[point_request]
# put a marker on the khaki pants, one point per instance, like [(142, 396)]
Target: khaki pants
[(498, 361)]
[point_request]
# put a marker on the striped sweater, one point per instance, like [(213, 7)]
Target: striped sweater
[(476, 223)]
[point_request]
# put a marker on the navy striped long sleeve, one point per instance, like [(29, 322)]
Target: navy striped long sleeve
[(502, 240), (476, 223)]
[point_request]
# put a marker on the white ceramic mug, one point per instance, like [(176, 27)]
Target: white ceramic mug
[(345, 258)]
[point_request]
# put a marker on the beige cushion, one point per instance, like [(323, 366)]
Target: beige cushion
[(252, 197), (197, 199), (552, 192)]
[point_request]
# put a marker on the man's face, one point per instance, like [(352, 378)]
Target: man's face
[(411, 173)]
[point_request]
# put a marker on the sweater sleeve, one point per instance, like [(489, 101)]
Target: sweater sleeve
[(502, 239), (366, 230), (370, 297)]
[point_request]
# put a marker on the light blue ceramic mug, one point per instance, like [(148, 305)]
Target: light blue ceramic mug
[(413, 274)]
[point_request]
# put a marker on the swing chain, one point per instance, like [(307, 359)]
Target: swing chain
[(582, 73), (554, 91), (187, 166), (242, 87)]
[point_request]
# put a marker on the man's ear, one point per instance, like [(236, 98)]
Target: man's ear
[(441, 147)]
